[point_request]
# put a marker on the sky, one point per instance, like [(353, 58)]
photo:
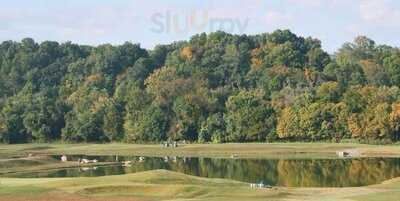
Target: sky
[(152, 22)]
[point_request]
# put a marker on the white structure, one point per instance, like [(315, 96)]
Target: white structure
[(166, 159), (64, 158), (260, 185), (348, 153), (127, 163), (84, 169), (88, 161)]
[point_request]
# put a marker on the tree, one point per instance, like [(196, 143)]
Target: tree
[(190, 111), (395, 121), (375, 74), (213, 129), (362, 48), (144, 121), (89, 119), (3, 130), (392, 64), (249, 117), (112, 123), (328, 92), (13, 128), (149, 125), (165, 85), (215, 87), (43, 118), (318, 59), (288, 122), (13, 112)]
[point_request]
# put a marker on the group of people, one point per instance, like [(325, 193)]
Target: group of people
[(260, 185), (172, 144)]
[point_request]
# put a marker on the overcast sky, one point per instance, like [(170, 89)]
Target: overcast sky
[(152, 22)]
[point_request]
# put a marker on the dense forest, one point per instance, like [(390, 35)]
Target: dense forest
[(216, 87)]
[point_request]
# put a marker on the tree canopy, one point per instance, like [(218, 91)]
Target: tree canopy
[(215, 87)]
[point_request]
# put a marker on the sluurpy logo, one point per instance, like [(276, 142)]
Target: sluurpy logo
[(195, 21)]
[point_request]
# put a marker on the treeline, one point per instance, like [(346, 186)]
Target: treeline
[(213, 88)]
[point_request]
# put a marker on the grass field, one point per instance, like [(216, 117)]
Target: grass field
[(172, 186), (259, 150), (165, 185)]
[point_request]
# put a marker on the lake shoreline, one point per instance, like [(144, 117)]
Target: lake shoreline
[(242, 150)]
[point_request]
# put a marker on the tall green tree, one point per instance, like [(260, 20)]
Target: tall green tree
[(249, 117)]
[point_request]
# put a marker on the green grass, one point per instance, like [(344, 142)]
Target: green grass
[(21, 190), (391, 190), (157, 185), (379, 196), (259, 150), (166, 185)]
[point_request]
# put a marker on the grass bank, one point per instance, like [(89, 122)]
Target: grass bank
[(172, 186)]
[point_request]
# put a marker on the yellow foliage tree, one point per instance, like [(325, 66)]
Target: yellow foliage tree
[(311, 76), (376, 121), (3, 126), (328, 91), (187, 53), (256, 60), (93, 79), (395, 117), (354, 125), (286, 123)]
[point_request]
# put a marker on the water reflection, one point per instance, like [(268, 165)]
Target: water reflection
[(278, 172)]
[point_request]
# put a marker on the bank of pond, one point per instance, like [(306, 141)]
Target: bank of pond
[(346, 172)]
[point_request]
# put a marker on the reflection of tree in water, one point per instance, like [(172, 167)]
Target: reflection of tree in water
[(353, 172), (316, 173)]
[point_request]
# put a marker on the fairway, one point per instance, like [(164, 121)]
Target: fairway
[(165, 185)]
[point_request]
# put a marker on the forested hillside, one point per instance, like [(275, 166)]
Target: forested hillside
[(213, 88)]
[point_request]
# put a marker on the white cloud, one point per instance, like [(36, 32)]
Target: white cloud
[(380, 13), (88, 24), (318, 3), (312, 3)]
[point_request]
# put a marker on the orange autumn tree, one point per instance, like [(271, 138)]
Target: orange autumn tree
[(379, 117), (394, 119), (187, 53)]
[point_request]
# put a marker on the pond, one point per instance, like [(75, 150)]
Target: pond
[(350, 172)]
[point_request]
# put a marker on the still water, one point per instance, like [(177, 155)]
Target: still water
[(275, 172)]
